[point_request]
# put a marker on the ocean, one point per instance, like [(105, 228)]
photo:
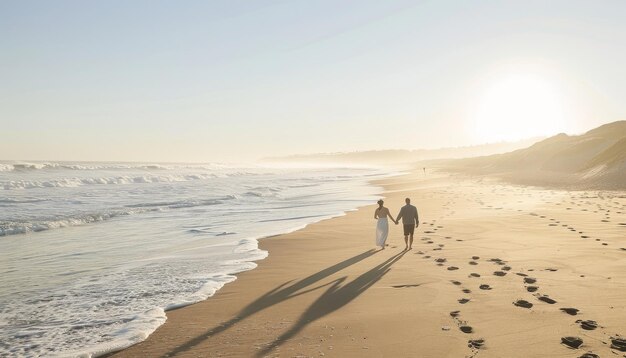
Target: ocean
[(93, 254)]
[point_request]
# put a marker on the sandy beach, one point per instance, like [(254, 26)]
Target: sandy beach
[(496, 270)]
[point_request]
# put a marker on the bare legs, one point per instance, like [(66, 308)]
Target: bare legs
[(408, 242)]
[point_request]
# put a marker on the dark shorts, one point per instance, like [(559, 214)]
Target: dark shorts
[(409, 229)]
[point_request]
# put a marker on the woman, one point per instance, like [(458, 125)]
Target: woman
[(382, 227)]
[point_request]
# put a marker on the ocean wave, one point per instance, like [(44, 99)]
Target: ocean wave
[(183, 203), (264, 191), (13, 228), (304, 185), (33, 166), (25, 166), (292, 218), (117, 180), (21, 201)]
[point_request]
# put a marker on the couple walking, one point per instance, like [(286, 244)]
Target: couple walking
[(410, 221)]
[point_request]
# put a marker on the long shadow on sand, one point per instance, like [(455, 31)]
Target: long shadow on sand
[(335, 297), (277, 295)]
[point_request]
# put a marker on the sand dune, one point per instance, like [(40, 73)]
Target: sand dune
[(596, 159)]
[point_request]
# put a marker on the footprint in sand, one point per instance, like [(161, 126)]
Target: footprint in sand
[(476, 343), (589, 355), (521, 274), (484, 287), (452, 268), (532, 288), (618, 343), (406, 286), (467, 290), (530, 280), (455, 313), (572, 342), (463, 300), (473, 263), (546, 299), (466, 329), (455, 282), (441, 260), (523, 304), (475, 257), (570, 311), (474, 274), (506, 268), (588, 325), (499, 273)]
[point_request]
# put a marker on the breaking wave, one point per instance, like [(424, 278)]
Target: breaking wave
[(114, 180), (13, 228), (33, 166)]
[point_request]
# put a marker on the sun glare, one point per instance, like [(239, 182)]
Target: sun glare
[(518, 106)]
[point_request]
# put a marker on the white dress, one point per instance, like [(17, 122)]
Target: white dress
[(382, 230)]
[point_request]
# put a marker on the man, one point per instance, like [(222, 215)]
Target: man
[(410, 220)]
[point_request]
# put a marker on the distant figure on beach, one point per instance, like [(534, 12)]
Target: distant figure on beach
[(382, 227), (424, 170), (410, 220)]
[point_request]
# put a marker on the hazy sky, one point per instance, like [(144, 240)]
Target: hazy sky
[(237, 80)]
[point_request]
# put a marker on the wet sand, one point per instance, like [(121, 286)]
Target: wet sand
[(496, 270)]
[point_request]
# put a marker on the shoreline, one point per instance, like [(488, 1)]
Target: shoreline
[(325, 290), (262, 240), (94, 288), (373, 183)]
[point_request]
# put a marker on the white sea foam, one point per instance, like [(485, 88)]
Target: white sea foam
[(169, 236), (51, 166), (12, 228), (118, 180)]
